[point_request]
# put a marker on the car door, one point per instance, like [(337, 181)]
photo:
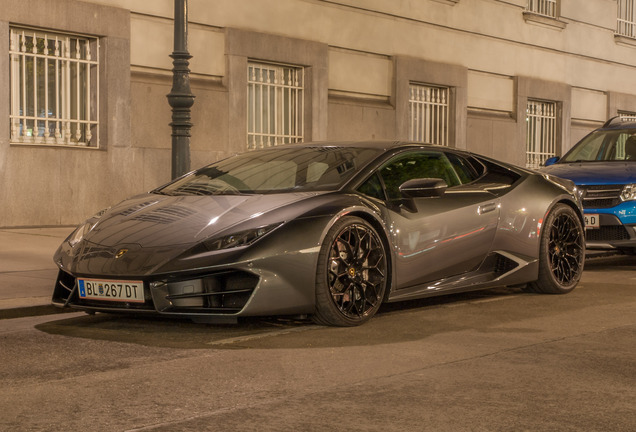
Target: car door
[(446, 235)]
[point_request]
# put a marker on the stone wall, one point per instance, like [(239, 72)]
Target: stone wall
[(359, 57)]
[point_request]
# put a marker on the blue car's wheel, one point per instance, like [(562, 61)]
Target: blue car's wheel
[(351, 275)]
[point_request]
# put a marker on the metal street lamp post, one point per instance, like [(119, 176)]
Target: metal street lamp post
[(180, 97)]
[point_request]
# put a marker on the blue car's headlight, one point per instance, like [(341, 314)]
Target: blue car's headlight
[(241, 238), (84, 228), (629, 192)]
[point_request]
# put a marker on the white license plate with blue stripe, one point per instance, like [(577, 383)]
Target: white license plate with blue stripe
[(592, 221), (111, 290)]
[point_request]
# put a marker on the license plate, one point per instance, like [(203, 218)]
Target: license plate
[(111, 290), (591, 221)]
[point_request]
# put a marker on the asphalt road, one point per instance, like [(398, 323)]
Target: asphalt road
[(500, 360)]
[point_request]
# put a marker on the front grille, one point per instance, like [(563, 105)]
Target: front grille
[(63, 287), (224, 293), (221, 293), (607, 233), (602, 196)]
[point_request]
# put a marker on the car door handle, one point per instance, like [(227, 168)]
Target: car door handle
[(487, 208)]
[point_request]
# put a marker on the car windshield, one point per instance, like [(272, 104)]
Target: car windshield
[(275, 170), (612, 145)]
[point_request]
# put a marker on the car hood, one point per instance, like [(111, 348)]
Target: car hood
[(589, 173), (153, 220)]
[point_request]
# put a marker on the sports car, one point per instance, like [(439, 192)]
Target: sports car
[(325, 230)]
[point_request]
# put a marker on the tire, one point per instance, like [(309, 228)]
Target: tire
[(351, 276), (561, 253)]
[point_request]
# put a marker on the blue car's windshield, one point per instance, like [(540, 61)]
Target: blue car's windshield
[(604, 145), (275, 170)]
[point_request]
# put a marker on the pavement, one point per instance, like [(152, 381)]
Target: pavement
[(27, 270)]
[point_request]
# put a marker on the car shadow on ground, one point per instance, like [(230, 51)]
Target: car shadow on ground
[(609, 261), (395, 322)]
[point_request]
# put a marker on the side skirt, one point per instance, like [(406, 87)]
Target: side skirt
[(500, 268)]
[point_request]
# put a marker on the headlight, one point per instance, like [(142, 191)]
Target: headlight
[(241, 238), (580, 193), (629, 192), (79, 233)]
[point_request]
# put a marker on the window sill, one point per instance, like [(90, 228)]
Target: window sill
[(448, 2), (544, 21), (48, 145), (625, 40)]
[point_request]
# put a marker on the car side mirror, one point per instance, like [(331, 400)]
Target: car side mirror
[(421, 188), (551, 161)]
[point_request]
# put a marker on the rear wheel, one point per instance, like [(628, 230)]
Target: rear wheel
[(351, 276), (562, 252)]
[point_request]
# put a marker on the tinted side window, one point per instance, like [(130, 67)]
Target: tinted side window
[(373, 188), (428, 164), (466, 171)]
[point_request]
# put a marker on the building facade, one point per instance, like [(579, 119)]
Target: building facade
[(84, 85)]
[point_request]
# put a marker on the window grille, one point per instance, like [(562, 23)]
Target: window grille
[(274, 105), (428, 113), (627, 115), (541, 132), (543, 7), (54, 82), (626, 21), (620, 140)]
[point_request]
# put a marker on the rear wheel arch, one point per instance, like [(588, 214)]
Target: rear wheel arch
[(575, 208), (561, 251)]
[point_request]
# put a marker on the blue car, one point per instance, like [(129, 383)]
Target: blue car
[(603, 166)]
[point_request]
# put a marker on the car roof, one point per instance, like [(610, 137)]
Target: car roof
[(388, 145), (374, 144), (618, 123)]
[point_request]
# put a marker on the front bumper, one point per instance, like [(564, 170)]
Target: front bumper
[(277, 285), (612, 234)]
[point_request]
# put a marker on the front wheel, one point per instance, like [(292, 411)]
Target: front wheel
[(562, 252), (351, 275)]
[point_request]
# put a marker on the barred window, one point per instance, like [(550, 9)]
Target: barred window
[(622, 138), (54, 82), (428, 113), (274, 104), (626, 21), (546, 8), (627, 115), (541, 132)]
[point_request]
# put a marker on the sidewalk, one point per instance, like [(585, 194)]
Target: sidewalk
[(27, 271)]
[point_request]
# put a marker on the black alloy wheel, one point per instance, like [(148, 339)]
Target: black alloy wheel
[(562, 252), (352, 274)]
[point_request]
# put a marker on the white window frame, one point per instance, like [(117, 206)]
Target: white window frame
[(429, 108), (275, 104), (541, 131), (620, 145), (627, 115), (54, 88), (547, 8), (626, 18)]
